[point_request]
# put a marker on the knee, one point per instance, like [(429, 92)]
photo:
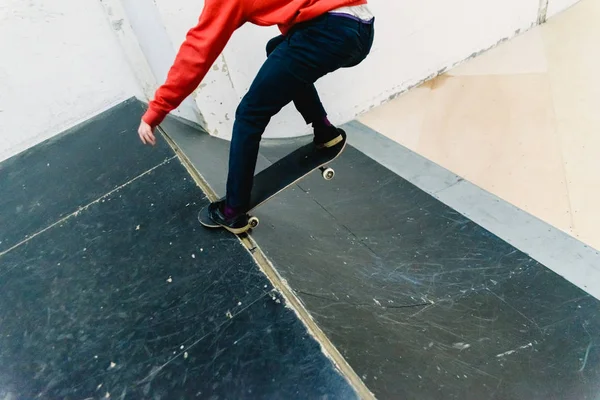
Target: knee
[(245, 114), (251, 118)]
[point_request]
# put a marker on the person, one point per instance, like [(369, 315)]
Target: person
[(317, 37)]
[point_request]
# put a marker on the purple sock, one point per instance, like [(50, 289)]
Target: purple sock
[(322, 123), (229, 212)]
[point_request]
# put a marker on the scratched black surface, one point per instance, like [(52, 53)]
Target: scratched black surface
[(51, 180), (452, 311), (422, 302), (131, 298)]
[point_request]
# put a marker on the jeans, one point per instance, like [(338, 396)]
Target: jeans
[(294, 63)]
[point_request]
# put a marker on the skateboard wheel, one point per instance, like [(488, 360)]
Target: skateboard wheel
[(253, 221), (328, 174)]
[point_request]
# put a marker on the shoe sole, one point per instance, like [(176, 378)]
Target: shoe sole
[(204, 221), (237, 231), (331, 143)]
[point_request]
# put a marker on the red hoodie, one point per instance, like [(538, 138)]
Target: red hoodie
[(204, 42)]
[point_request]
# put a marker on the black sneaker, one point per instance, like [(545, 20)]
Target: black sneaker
[(327, 137), (236, 225)]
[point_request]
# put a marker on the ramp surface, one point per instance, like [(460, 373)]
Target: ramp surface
[(110, 289), (422, 302)]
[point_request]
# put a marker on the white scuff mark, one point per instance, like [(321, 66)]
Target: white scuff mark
[(137, 228), (99, 386), (494, 282), (430, 344), (377, 302), (508, 353), (107, 395), (112, 365), (585, 359), (170, 280), (461, 346)]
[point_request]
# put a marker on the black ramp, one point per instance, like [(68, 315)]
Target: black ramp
[(131, 298), (51, 180), (422, 302)]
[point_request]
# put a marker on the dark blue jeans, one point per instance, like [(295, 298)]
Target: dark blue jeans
[(294, 63)]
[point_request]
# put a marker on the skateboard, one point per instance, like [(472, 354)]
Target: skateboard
[(283, 174)]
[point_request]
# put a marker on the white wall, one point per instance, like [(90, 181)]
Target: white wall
[(60, 63), (63, 61), (414, 40)]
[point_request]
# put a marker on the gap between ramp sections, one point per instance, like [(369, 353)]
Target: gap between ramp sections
[(280, 284)]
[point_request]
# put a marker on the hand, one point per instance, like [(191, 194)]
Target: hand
[(146, 135)]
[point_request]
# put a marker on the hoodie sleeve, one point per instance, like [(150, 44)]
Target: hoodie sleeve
[(202, 46)]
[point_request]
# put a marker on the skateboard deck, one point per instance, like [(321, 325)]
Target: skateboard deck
[(285, 173)]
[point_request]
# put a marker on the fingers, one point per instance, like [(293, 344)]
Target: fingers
[(141, 137), (146, 135), (149, 137)]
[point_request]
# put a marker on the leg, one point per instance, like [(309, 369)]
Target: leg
[(307, 99), (273, 88), (294, 65)]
